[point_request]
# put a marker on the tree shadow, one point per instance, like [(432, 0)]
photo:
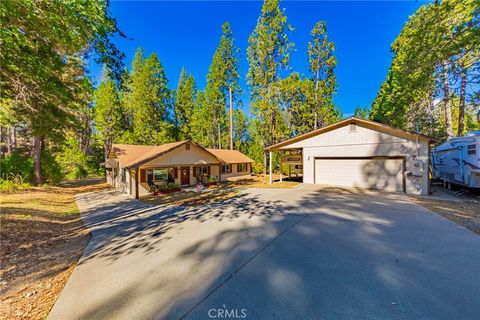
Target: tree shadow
[(303, 253)]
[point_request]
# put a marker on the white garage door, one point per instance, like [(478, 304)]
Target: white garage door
[(378, 173)]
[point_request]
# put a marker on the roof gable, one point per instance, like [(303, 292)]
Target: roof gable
[(130, 155), (372, 125)]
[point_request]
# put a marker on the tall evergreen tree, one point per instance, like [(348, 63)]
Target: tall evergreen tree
[(43, 62), (185, 96), (147, 102), (322, 62), (268, 53), (107, 112), (222, 83), (433, 78)]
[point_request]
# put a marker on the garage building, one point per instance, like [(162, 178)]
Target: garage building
[(363, 154)]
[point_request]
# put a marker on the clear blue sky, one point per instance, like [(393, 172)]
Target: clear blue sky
[(187, 33)]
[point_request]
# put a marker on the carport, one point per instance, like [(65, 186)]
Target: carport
[(362, 154)]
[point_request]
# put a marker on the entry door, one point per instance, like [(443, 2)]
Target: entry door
[(185, 176), (383, 174)]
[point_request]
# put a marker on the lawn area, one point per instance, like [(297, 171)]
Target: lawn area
[(42, 238)]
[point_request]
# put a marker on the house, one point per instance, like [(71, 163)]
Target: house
[(360, 153), (132, 167)]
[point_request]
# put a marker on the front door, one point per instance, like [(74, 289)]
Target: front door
[(185, 176)]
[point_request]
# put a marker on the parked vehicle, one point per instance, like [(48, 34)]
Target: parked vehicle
[(457, 161)]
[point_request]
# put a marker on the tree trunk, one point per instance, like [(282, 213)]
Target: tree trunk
[(317, 107), (8, 142), (446, 101), (219, 136), (461, 107), (37, 155), (231, 119)]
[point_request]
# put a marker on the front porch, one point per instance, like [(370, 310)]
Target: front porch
[(143, 179)]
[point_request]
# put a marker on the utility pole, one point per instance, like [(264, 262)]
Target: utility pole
[(231, 119)]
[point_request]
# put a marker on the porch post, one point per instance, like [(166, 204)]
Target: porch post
[(137, 176), (270, 179), (281, 171)]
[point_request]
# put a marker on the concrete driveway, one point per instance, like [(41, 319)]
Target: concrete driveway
[(302, 253)]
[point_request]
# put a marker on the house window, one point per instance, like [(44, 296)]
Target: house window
[(242, 167), (353, 127), (160, 175), (201, 171), (187, 146), (471, 149), (226, 168), (124, 175)]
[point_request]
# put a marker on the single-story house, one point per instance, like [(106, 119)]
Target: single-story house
[(132, 168), (360, 153)]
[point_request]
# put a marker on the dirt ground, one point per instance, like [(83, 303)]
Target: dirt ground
[(42, 237), (261, 181), (465, 212)]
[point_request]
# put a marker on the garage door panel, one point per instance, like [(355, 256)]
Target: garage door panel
[(384, 174)]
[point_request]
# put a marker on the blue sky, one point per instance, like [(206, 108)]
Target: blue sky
[(187, 33)]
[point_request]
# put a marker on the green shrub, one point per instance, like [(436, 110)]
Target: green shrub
[(72, 161), (51, 169), (16, 164), (9, 185)]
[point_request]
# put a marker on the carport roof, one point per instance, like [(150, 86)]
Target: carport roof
[(374, 125)]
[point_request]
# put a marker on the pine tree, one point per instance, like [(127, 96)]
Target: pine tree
[(185, 96), (222, 83), (268, 53), (148, 102), (322, 64), (43, 62), (107, 112), (433, 78)]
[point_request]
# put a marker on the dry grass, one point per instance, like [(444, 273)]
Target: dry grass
[(465, 212), (42, 238), (260, 181)]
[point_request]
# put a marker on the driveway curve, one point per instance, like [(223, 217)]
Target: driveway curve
[(302, 253)]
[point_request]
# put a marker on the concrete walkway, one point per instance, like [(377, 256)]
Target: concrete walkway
[(303, 253)]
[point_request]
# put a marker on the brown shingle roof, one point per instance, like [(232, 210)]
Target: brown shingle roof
[(130, 154), (230, 156)]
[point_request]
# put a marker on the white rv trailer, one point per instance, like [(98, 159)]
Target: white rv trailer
[(457, 161)]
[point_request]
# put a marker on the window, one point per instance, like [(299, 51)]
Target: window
[(242, 167), (160, 175), (471, 149), (226, 168), (353, 127), (124, 175), (187, 146), (201, 171)]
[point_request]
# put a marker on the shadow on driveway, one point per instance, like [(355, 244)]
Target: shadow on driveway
[(303, 253)]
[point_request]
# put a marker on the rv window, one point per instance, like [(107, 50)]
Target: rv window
[(471, 149)]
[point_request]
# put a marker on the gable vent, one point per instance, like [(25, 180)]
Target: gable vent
[(353, 127)]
